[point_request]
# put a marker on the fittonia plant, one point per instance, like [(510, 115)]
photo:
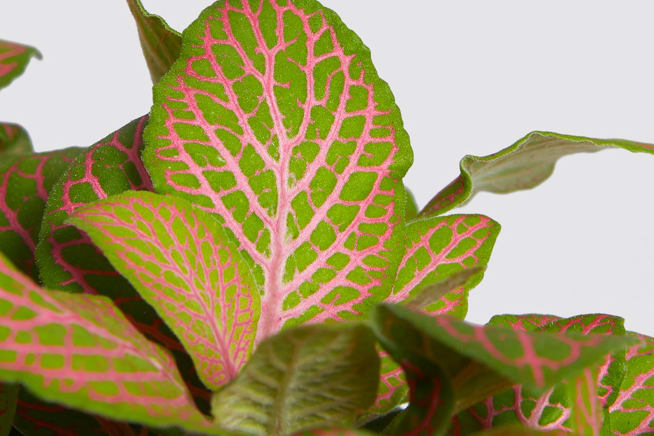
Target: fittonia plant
[(245, 259)]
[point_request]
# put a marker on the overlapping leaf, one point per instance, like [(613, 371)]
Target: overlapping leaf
[(438, 247), (523, 165), (563, 405), (67, 258), (80, 350), (181, 262), (13, 140), (536, 359), (411, 208), (275, 121), (632, 413), (302, 378), (25, 181), (8, 400), (334, 432), (161, 45), (14, 58)]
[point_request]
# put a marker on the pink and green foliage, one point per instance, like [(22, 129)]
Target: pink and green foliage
[(160, 44), (25, 181), (274, 120), (558, 407), (632, 412), (14, 58), (81, 351), (181, 262), (13, 140), (523, 165), (182, 252)]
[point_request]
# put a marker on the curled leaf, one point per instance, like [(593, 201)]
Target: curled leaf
[(14, 58), (523, 165)]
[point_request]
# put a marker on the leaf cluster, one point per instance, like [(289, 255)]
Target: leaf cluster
[(246, 260)]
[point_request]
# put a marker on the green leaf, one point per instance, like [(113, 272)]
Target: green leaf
[(14, 140), (180, 261), (632, 413), (563, 405), (516, 430), (25, 181), (411, 205), (303, 378), (523, 165), (536, 359), (8, 400), (436, 248), (334, 432), (79, 350), (275, 120), (161, 45), (431, 401), (14, 58)]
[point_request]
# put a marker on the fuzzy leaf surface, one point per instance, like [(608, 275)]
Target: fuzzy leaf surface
[(568, 406), (8, 401), (524, 165), (632, 413), (25, 181), (14, 140), (81, 351), (274, 120), (436, 248), (161, 45), (14, 58), (302, 378), (181, 262), (537, 359)]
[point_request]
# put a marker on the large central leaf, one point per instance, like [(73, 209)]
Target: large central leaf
[(274, 120)]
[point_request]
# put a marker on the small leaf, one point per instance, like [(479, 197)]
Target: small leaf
[(14, 140), (14, 58), (79, 350), (438, 247), (516, 430), (632, 413), (180, 261), (8, 400), (161, 45), (523, 165), (25, 181), (335, 432), (302, 378), (411, 205), (431, 401), (537, 359), (275, 120)]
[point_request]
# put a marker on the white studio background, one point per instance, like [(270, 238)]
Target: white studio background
[(470, 77)]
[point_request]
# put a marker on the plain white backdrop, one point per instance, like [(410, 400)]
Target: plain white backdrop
[(470, 77)]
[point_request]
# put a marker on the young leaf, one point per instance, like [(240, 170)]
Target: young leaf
[(438, 247), (411, 205), (565, 404), (25, 181), (335, 432), (632, 413), (180, 261), (431, 401), (14, 58), (523, 165), (302, 378), (161, 45), (274, 120), (79, 350), (14, 140), (537, 359), (8, 400)]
